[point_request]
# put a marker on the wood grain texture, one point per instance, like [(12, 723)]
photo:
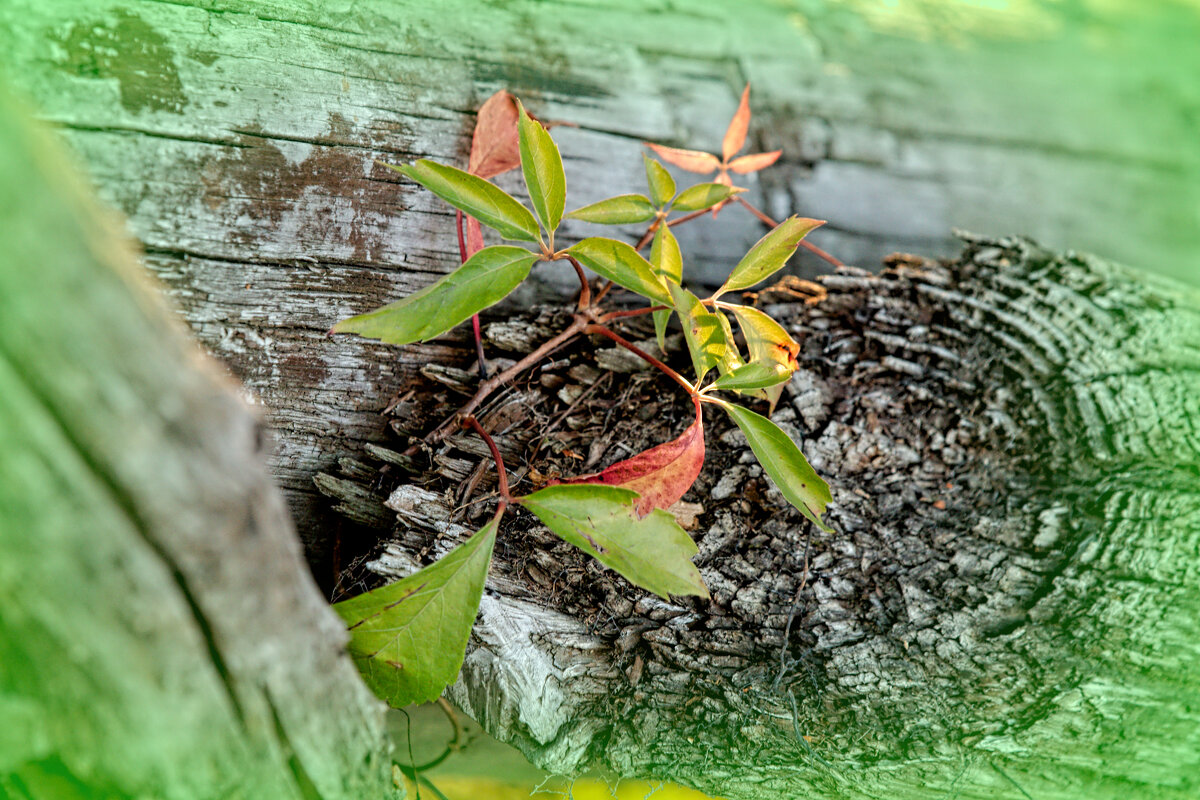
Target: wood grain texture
[(160, 635), (238, 137), (1008, 607)]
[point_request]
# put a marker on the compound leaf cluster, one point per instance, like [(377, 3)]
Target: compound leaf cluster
[(408, 637)]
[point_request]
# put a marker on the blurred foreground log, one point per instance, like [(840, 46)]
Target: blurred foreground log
[(160, 634)]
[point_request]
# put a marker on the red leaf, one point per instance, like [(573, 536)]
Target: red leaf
[(662, 474), (474, 237), (755, 162), (691, 160), (494, 146), (735, 135)]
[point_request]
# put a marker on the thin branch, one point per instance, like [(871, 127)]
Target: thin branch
[(491, 384), (469, 421), (603, 291), (807, 245), (483, 371), (687, 217), (585, 291), (636, 312), (462, 256), (649, 234), (642, 354)]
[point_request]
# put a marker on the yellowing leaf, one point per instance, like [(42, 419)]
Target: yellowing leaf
[(732, 358), (767, 341), (769, 253), (653, 552), (665, 255), (703, 195), (484, 279), (488, 203), (662, 185), (619, 210), (667, 261), (543, 169), (408, 638), (622, 265), (755, 375), (783, 461), (702, 330)]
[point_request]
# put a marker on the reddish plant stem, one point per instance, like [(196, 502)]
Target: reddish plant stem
[(636, 312), (585, 291), (462, 241), (496, 381), (807, 245), (642, 354), (649, 234), (469, 421), (687, 217), (462, 256), (483, 371)]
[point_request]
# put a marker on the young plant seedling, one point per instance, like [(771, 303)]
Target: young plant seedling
[(409, 637)]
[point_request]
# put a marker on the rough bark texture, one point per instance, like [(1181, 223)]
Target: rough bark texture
[(238, 137), (1008, 607), (160, 635)]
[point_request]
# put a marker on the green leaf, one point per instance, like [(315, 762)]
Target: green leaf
[(543, 168), (484, 201), (408, 638), (732, 358), (622, 265), (619, 210), (702, 330), (769, 254), (485, 279), (755, 375), (668, 262), (665, 255), (766, 341), (662, 185), (784, 462), (652, 552), (702, 195)]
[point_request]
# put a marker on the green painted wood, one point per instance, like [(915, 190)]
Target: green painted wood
[(160, 635)]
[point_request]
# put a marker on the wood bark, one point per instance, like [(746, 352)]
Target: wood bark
[(160, 635), (1008, 607), (239, 137)]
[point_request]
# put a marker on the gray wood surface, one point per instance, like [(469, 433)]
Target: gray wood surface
[(238, 138), (160, 634)]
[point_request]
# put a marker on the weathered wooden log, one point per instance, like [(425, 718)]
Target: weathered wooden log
[(1009, 606), (160, 634), (1037, 632), (239, 137)]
